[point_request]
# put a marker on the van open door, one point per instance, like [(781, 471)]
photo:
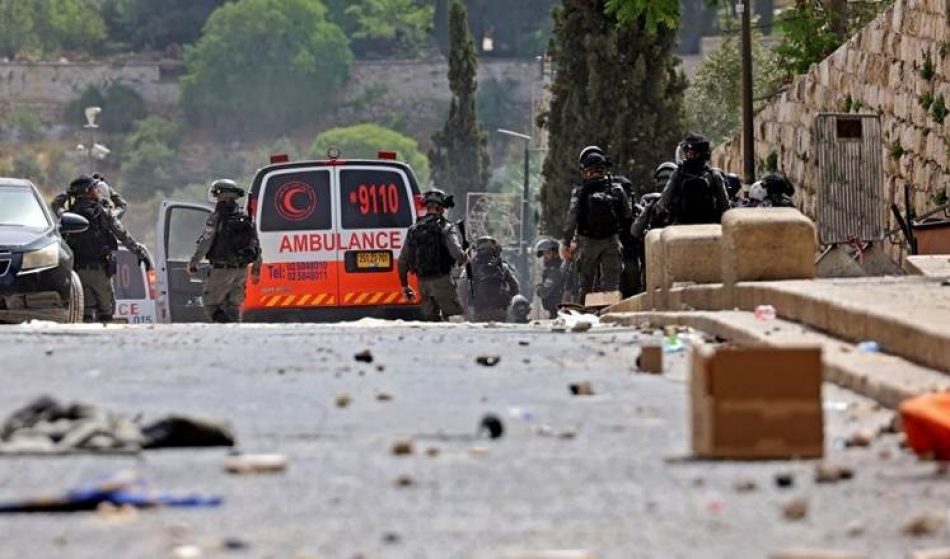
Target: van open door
[(180, 224)]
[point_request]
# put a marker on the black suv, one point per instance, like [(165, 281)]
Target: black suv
[(36, 265)]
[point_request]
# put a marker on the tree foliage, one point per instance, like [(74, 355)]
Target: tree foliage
[(651, 13), (714, 97), (150, 160), (365, 141), (459, 154), (519, 29), (49, 26), (121, 107), (380, 28), (242, 73), (616, 85), (151, 24)]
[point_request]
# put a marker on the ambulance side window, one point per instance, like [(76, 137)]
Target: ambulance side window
[(374, 199), (297, 201)]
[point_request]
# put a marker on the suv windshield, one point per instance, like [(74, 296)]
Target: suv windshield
[(19, 207)]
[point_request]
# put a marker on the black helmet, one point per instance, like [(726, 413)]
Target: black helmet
[(594, 160), (588, 150), (695, 142), (487, 243), (777, 183), (81, 185), (733, 184), (436, 196), (662, 173), (649, 198), (225, 189), (546, 245)]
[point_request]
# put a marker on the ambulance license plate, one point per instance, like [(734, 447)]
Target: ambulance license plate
[(374, 260)]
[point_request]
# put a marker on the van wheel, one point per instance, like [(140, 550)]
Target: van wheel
[(75, 308)]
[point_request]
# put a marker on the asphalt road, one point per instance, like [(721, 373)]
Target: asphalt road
[(621, 487)]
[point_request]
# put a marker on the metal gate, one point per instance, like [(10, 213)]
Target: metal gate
[(851, 203), (495, 214)]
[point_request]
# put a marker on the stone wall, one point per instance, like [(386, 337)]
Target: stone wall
[(417, 92), (880, 70)]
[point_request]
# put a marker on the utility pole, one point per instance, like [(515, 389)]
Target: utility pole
[(748, 134), (525, 214)]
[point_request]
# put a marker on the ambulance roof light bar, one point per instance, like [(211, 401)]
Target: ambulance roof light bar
[(390, 155), (276, 158)]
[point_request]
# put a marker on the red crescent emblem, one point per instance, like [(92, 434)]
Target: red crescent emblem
[(295, 201)]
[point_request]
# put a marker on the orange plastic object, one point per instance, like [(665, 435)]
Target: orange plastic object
[(926, 422)]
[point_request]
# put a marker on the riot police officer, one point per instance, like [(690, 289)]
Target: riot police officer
[(431, 251), (695, 192), (230, 243), (94, 249), (551, 287), (116, 203), (493, 284)]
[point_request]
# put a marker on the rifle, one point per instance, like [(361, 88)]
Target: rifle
[(468, 265)]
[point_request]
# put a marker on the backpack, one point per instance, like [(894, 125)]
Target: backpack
[(234, 240), (598, 218), (491, 287), (431, 258), (94, 246), (698, 202)]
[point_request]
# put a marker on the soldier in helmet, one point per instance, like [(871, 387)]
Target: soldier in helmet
[(431, 250), (551, 287), (116, 204), (230, 243), (493, 284), (94, 249), (695, 193), (598, 208)]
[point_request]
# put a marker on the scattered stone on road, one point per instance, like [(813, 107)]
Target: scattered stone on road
[(492, 425), (255, 463), (582, 388), (784, 480), (432, 451), (745, 485), (826, 472), (487, 360), (854, 529), (803, 553), (404, 480), (935, 553), (365, 356), (343, 400), (926, 523), (796, 509), (860, 439), (402, 448), (384, 396)]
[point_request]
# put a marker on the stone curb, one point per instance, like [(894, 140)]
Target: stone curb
[(887, 379)]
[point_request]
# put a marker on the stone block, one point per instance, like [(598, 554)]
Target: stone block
[(654, 259), (767, 244), (691, 254)]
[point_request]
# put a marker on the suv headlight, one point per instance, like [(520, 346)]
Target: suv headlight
[(46, 257)]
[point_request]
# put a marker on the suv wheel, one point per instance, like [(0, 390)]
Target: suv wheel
[(75, 307)]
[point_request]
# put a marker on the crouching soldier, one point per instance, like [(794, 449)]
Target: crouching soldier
[(551, 287), (230, 243), (94, 249), (494, 283)]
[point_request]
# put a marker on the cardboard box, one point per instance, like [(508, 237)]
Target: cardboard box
[(756, 403), (650, 359)]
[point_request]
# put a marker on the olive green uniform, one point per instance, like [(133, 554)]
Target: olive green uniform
[(224, 289), (437, 292)]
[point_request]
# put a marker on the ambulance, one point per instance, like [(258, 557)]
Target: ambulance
[(331, 231), (134, 288)]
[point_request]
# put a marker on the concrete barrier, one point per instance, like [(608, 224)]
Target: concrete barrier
[(691, 254), (761, 244)]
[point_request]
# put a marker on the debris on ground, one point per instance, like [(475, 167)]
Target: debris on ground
[(432, 451), (391, 538), (813, 553), (47, 426), (126, 488), (492, 425), (384, 396), (582, 326), (796, 509), (255, 464), (854, 529), (744, 485), (859, 439), (488, 360), (650, 359), (926, 523), (764, 312), (784, 480), (827, 472), (584, 388), (574, 321), (342, 400), (552, 554), (365, 356), (926, 425), (869, 347), (478, 451), (524, 343), (186, 552), (404, 480), (234, 544), (935, 553), (402, 448)]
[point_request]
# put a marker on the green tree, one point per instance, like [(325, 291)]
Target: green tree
[(121, 107), (16, 27), (378, 28), (67, 25), (714, 98), (150, 161), (517, 29), (364, 141), (459, 154), (264, 64), (653, 14), (151, 24), (618, 86)]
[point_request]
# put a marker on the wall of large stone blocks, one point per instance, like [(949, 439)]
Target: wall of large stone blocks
[(880, 70)]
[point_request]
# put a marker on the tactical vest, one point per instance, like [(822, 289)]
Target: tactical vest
[(597, 211), (491, 287), (431, 257), (234, 240), (94, 246), (698, 202)]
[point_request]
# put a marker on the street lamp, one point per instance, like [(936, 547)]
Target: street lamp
[(522, 241), (748, 135)]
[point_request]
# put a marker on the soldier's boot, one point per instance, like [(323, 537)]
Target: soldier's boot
[(221, 316)]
